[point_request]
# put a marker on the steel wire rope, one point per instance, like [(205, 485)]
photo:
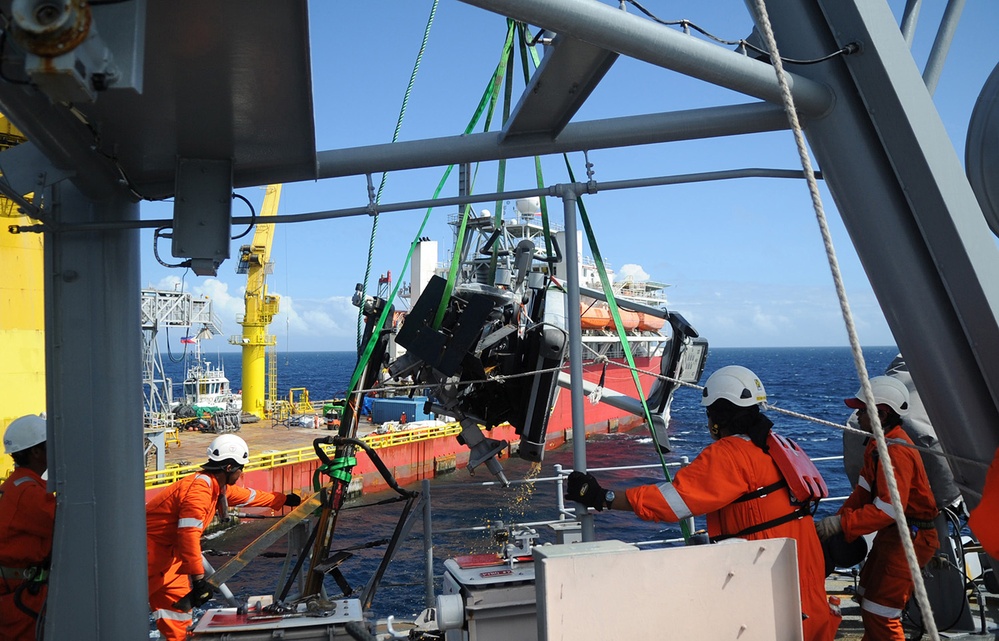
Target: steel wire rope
[(663, 377), (381, 184), (922, 597), (812, 419)]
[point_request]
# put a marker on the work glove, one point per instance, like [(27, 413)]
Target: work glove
[(829, 526), (583, 488), (292, 500), (201, 592)]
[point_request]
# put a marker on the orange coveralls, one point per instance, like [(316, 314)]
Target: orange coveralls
[(984, 521), (27, 517), (175, 519), (723, 472), (885, 580)]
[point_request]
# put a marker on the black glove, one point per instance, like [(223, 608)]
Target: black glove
[(292, 500), (201, 592), (583, 488)]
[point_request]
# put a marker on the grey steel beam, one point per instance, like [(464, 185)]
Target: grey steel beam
[(97, 589), (941, 44), (67, 143), (692, 124), (911, 213), (910, 16), (640, 38), (569, 72)]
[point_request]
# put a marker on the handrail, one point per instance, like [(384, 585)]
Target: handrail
[(268, 460)]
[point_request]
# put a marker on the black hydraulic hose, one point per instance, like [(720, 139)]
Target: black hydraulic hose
[(20, 604), (382, 469), (320, 452)]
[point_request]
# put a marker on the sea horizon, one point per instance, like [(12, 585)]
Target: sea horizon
[(344, 351)]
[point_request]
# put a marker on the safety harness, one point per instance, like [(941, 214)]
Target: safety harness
[(35, 573), (31, 579), (802, 479)]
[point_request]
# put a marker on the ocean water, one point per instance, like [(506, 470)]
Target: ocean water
[(812, 381), (325, 374)]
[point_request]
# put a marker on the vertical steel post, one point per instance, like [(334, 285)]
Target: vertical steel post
[(568, 195), (428, 544)]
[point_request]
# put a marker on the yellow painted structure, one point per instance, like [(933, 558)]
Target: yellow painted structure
[(260, 306), (22, 313), (268, 460)]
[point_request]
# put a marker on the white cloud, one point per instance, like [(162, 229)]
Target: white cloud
[(316, 324), (634, 271)]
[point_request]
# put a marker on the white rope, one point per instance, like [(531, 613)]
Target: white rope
[(910, 553)]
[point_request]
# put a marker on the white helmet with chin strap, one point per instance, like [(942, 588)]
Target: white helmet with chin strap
[(736, 384), (23, 433), (888, 390), (228, 447)]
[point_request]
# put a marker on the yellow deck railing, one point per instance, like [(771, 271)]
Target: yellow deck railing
[(268, 460)]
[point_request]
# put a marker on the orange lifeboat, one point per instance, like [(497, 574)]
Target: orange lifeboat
[(628, 319), (650, 323), (593, 317)]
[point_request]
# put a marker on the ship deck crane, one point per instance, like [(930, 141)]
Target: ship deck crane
[(260, 306)]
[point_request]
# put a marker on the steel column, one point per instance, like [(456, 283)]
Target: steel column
[(572, 318), (98, 584)]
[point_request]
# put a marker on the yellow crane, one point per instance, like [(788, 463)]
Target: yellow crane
[(22, 317), (260, 307)]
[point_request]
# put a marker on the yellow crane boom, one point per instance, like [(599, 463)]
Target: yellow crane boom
[(260, 307)]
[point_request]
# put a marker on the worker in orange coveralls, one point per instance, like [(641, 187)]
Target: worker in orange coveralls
[(984, 521), (27, 517), (175, 520), (885, 580), (723, 482)]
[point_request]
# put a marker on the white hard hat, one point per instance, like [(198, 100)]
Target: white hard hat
[(736, 384), (23, 433), (228, 447), (887, 391)]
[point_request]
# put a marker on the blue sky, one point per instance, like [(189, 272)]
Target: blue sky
[(744, 258)]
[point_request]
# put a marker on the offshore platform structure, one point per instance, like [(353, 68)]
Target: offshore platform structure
[(163, 310), (260, 309)]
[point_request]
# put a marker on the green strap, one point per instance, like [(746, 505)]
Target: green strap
[(501, 170), (622, 335), (373, 340), (533, 54), (488, 98), (339, 469)]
